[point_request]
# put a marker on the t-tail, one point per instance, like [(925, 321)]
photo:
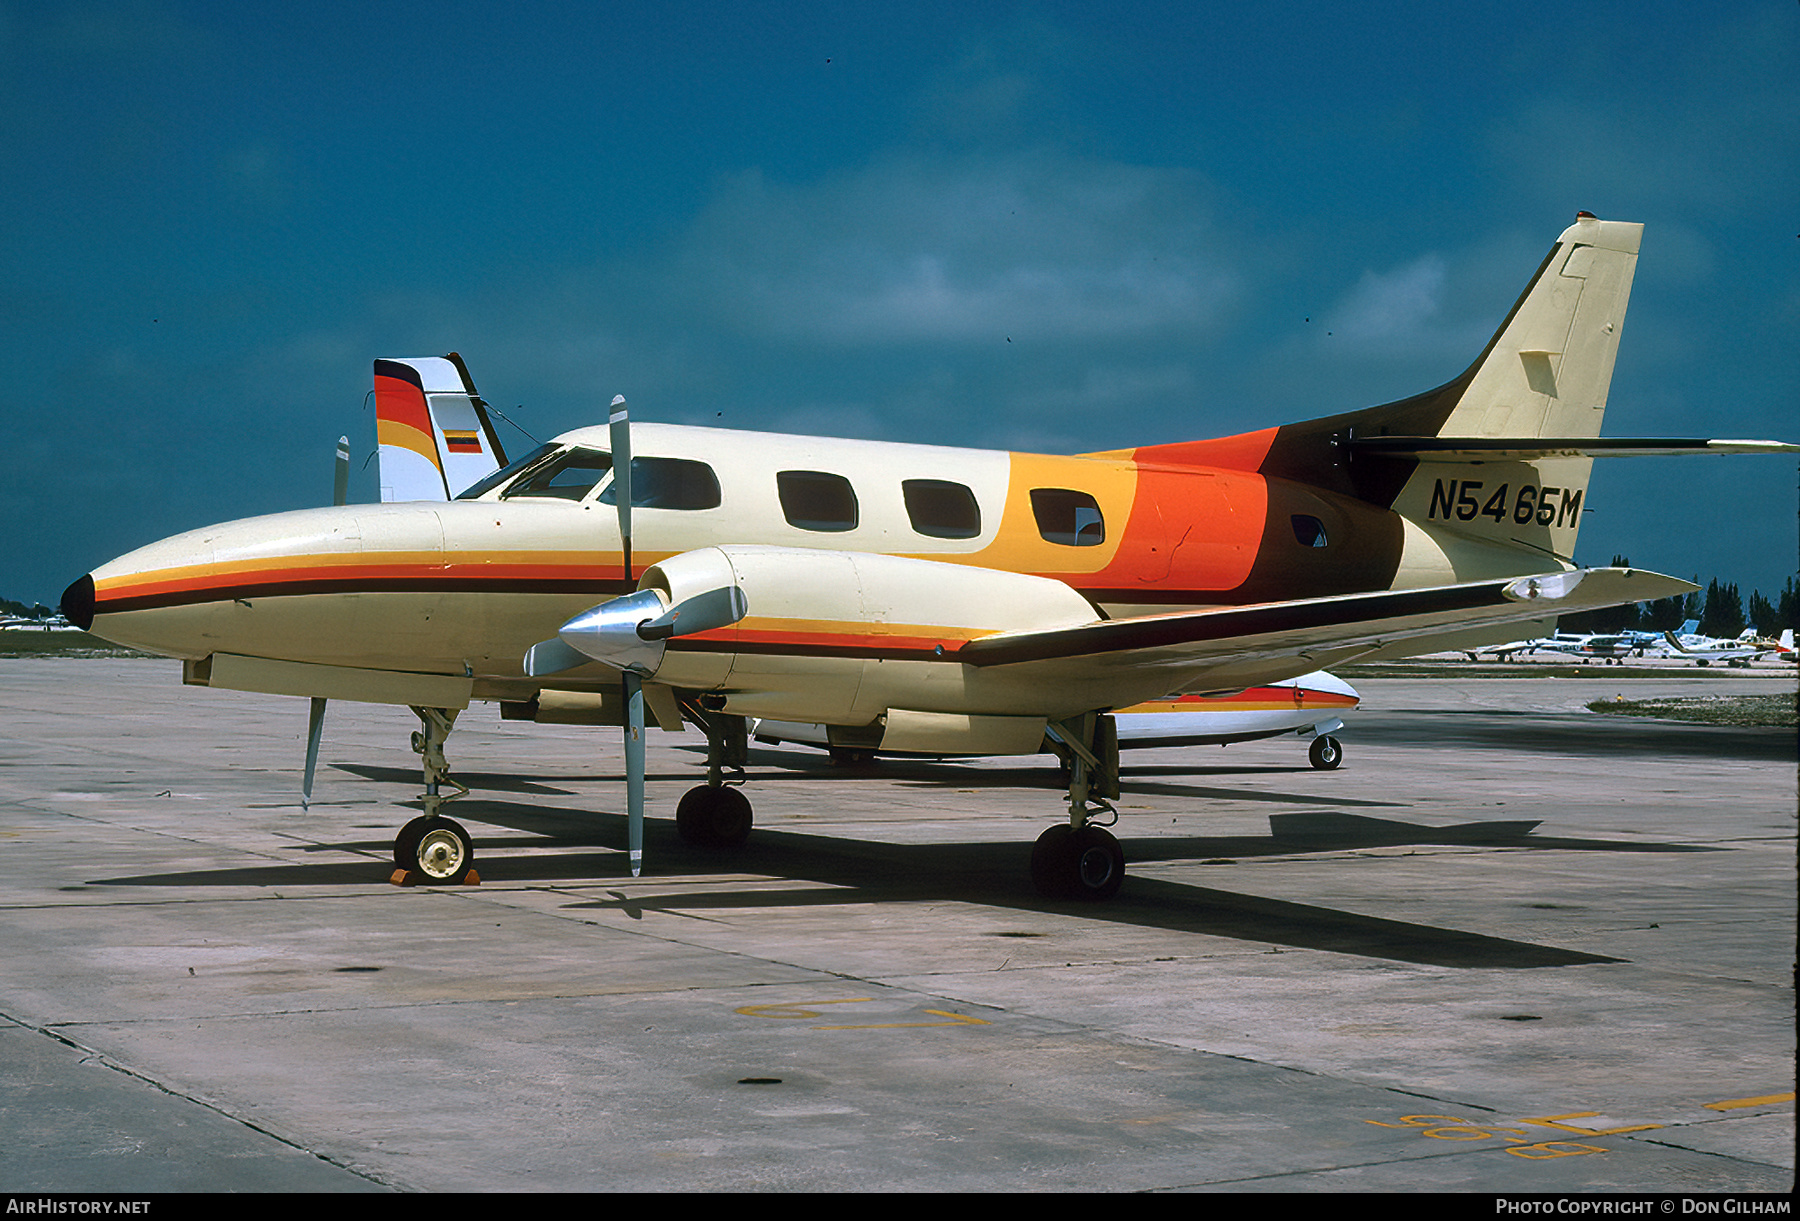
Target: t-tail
[(1489, 473), (1483, 477), (434, 435)]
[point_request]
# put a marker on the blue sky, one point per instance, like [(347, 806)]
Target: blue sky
[(1060, 227)]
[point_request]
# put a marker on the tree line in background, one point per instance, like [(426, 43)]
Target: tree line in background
[(40, 611), (1720, 610)]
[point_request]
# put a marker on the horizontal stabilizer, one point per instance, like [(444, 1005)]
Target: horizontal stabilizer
[(1530, 449)]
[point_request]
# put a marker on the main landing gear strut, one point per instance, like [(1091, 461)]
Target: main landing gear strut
[(435, 847), (716, 814), (1081, 859)]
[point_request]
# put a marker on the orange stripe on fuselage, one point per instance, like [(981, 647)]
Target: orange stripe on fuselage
[(801, 635), (1167, 527), (374, 568), (1191, 530)]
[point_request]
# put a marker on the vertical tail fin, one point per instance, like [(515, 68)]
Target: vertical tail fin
[(1546, 371), (432, 428), (1543, 378)]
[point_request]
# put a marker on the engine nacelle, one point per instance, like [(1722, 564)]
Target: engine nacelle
[(841, 637)]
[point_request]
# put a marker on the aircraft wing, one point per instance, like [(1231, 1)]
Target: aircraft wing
[(1273, 636)]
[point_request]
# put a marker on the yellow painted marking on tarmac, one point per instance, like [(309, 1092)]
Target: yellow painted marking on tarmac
[(1554, 1148), (1422, 1121), (1450, 1127), (798, 1010), (1732, 1104), (1552, 1121), (956, 1019), (794, 1010)]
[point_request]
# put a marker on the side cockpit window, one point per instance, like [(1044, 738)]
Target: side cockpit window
[(668, 483), (817, 500), (941, 509), (1068, 517), (570, 475)]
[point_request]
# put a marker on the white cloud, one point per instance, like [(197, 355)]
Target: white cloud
[(1031, 247), (1396, 305)]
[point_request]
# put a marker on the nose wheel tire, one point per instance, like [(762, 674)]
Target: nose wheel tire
[(1068, 864), (711, 817), (438, 849), (407, 842), (1326, 753)]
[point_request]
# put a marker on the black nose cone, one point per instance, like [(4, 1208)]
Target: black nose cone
[(78, 602)]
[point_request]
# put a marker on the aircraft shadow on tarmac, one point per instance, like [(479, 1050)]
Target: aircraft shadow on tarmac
[(954, 775), (1608, 737), (834, 870), (497, 782)]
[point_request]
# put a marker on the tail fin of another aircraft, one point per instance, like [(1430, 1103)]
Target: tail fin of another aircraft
[(433, 430)]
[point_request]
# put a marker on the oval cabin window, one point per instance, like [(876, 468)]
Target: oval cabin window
[(938, 508), (816, 500), (1068, 517)]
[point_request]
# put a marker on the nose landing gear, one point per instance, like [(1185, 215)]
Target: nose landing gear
[(432, 848), (714, 815)]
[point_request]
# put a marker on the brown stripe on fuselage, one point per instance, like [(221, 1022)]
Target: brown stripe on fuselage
[(1362, 547)]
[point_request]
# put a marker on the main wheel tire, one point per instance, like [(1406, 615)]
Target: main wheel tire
[(1326, 752), (1099, 864), (710, 817), (1052, 862), (852, 757), (444, 853), (1087, 864)]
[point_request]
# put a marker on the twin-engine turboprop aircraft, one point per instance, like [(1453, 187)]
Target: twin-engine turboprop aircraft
[(919, 598), (429, 421)]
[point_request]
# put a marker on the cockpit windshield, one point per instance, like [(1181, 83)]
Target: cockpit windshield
[(570, 475), (480, 488)]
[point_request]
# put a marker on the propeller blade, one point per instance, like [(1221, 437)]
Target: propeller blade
[(315, 721), (340, 487), (315, 728), (620, 422), (701, 613), (634, 771), (552, 657)]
